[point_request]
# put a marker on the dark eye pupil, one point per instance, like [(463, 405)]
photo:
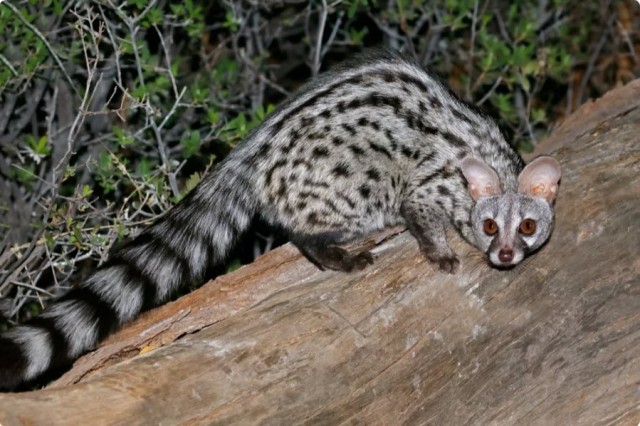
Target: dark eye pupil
[(490, 227), (528, 227)]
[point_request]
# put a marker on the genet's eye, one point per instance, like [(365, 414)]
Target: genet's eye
[(490, 227), (527, 227)]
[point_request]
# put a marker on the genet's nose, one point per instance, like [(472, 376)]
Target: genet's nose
[(505, 255)]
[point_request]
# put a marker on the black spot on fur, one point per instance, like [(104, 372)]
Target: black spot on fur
[(354, 103), (303, 195), (264, 149), (410, 122), (416, 122), (347, 200), (312, 218), (443, 190), (453, 140), (392, 140), (337, 141), (316, 184), (288, 210), (356, 150), (379, 149), (463, 117), (349, 128), (364, 191), (374, 99), (302, 162), (332, 206), (306, 121), (389, 77), (407, 152), (294, 136), (373, 174), (325, 113), (355, 79), (425, 129), (427, 158), (428, 178), (282, 190), (409, 79), (320, 151), (341, 170)]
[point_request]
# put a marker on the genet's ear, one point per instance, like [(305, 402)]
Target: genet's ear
[(540, 178), (482, 180)]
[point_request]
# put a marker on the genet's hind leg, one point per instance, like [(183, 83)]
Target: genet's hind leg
[(323, 251)]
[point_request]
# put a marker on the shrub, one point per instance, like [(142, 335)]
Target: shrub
[(111, 111)]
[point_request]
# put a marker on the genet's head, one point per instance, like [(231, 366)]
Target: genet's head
[(508, 226)]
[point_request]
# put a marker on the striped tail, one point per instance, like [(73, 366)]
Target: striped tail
[(174, 253)]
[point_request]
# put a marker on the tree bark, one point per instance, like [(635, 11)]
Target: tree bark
[(554, 341)]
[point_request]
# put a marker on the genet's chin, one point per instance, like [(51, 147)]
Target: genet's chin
[(502, 265), (499, 264)]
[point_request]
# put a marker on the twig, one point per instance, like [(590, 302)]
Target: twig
[(315, 68), (334, 33), (167, 58), (113, 43), (37, 32), (77, 122), (474, 22), (173, 108), (494, 86), (6, 62), (594, 57)]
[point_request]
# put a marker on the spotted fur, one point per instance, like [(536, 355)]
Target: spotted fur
[(366, 146)]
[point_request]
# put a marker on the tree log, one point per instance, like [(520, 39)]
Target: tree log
[(553, 341)]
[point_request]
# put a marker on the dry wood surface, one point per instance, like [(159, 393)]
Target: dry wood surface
[(554, 341)]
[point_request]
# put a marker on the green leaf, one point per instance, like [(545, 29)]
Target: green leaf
[(538, 115), (192, 181), (230, 22), (145, 167), (122, 139), (356, 36), (153, 17), (86, 191), (190, 143), (213, 117)]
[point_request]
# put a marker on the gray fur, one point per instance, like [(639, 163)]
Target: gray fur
[(367, 146), (37, 348), (75, 319)]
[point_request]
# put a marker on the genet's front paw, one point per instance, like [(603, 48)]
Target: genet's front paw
[(447, 263)]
